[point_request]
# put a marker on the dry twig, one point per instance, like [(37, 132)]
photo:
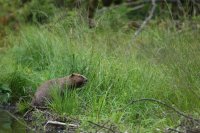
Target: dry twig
[(19, 121), (102, 126), (145, 21), (166, 105), (54, 123), (174, 130), (27, 112)]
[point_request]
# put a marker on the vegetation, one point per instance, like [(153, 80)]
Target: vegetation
[(163, 63)]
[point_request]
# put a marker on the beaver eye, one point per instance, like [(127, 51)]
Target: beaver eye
[(72, 75)]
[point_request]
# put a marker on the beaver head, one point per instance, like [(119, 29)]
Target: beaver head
[(76, 80)]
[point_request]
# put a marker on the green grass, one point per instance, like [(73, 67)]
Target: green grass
[(65, 103), (162, 64)]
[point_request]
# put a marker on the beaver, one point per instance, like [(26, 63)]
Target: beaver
[(69, 82)]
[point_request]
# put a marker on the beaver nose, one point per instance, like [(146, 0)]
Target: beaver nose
[(86, 80)]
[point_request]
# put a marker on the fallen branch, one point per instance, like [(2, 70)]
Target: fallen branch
[(174, 130), (137, 7), (162, 103), (58, 123), (19, 121), (54, 123), (27, 112), (34, 108), (73, 125), (102, 126), (134, 3), (145, 21)]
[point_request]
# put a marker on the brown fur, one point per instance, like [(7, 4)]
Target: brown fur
[(72, 81)]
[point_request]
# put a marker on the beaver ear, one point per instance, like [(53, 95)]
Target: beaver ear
[(72, 75)]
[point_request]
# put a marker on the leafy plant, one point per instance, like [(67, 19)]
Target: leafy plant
[(4, 93)]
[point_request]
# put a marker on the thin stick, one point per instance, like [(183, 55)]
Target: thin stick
[(145, 21), (54, 123), (27, 112), (73, 125), (19, 120), (160, 102), (174, 130), (137, 7), (34, 108), (102, 126)]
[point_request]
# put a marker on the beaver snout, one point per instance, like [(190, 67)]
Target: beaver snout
[(86, 80)]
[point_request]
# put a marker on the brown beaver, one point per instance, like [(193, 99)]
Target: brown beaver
[(70, 82)]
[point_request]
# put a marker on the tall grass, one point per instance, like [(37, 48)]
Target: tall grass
[(162, 64)]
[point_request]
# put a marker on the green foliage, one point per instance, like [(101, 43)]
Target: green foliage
[(65, 103), (22, 105), (36, 11), (19, 85), (40, 10), (4, 93), (34, 53)]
